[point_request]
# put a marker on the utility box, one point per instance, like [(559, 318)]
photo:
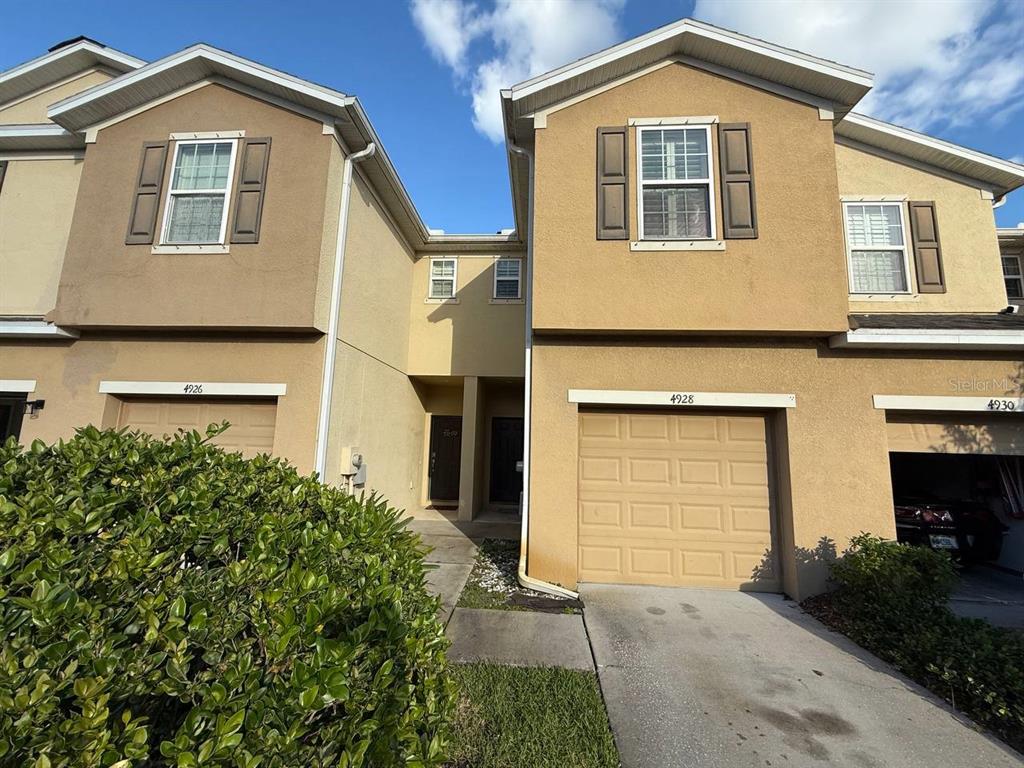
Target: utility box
[(353, 467)]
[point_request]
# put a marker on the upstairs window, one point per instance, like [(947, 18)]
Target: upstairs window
[(197, 196), (442, 278), (1013, 276), (676, 197), (876, 247), (507, 279)]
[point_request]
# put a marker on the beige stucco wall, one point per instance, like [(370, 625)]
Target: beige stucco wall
[(36, 206), (270, 284), (32, 109), (967, 232), (830, 450), (792, 278), (68, 375), (472, 337)]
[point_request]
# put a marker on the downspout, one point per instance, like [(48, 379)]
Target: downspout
[(327, 383), (528, 581)]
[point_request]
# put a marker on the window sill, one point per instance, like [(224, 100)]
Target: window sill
[(677, 245), (507, 301), (884, 297), (453, 300), (190, 249)]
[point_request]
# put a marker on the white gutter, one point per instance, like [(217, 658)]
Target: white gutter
[(528, 581), (914, 338), (327, 384)]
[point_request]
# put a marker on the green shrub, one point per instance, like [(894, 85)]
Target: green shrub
[(166, 603), (892, 599)]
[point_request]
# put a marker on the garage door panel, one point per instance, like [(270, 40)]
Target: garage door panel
[(675, 499), (252, 421)]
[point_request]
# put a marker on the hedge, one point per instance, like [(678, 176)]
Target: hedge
[(163, 602), (892, 599)]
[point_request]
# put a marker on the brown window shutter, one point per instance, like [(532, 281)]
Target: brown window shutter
[(146, 201), (739, 203), (612, 177), (252, 183), (3, 172), (927, 252)]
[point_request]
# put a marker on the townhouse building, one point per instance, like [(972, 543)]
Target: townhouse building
[(734, 319)]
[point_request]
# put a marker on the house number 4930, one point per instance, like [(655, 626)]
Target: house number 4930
[(1002, 405), (193, 389)]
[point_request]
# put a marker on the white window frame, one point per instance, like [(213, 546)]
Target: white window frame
[(227, 193), (454, 278), (1019, 277), (519, 280), (905, 249), (710, 180)]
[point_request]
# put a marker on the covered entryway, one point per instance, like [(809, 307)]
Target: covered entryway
[(671, 498), (252, 421)]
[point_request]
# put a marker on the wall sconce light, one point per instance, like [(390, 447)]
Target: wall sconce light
[(32, 407)]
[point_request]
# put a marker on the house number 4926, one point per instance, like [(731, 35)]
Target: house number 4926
[(681, 399), (193, 389)]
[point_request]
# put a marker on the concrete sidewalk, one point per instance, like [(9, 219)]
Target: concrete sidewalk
[(519, 639)]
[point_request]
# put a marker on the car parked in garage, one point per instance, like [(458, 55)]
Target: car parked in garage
[(965, 528)]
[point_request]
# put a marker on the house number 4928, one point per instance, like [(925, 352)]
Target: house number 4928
[(193, 389), (681, 399)]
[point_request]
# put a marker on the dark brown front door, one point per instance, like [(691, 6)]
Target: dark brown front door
[(506, 452), (445, 457), (12, 408)]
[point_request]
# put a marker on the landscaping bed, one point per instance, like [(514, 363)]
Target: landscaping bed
[(512, 717), (493, 583), (892, 600)]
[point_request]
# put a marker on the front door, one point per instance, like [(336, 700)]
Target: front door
[(445, 457), (506, 452), (12, 408)]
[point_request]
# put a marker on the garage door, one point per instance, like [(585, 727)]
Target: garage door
[(252, 421), (1001, 434), (675, 499)]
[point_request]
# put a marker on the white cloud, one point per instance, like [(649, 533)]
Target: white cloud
[(526, 39), (935, 63)]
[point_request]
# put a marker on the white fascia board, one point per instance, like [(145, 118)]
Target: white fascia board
[(193, 388), (700, 29), (18, 385), (991, 404), (201, 51), (28, 329), (868, 338), (681, 398), (855, 118), (102, 54), (32, 131)]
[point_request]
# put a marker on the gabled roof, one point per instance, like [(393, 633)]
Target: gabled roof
[(63, 61), (337, 110), (1001, 176)]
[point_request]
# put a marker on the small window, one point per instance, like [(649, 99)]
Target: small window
[(1013, 276), (876, 248), (197, 196), (507, 278), (676, 195), (442, 278)]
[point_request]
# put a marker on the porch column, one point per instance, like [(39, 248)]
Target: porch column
[(469, 488)]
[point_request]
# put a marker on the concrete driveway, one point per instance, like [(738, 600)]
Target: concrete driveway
[(713, 678)]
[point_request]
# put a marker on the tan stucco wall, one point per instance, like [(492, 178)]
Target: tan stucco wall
[(68, 374), (831, 449), (270, 284), (792, 278), (472, 337), (967, 232), (32, 109), (36, 206)]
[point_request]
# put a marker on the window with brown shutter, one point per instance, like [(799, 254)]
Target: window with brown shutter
[(739, 203), (612, 177), (146, 200), (252, 185), (924, 228)]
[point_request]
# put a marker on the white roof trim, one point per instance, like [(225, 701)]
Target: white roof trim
[(100, 51), (34, 329), (993, 404), (681, 399), (193, 388), (17, 385), (788, 55), (33, 130), (914, 338)]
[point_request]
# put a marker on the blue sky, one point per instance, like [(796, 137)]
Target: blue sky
[(427, 72)]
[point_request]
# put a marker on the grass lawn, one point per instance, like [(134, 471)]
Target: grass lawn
[(493, 583), (536, 717)]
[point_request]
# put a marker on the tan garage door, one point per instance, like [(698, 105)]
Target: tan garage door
[(675, 499), (252, 421), (1001, 434)]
